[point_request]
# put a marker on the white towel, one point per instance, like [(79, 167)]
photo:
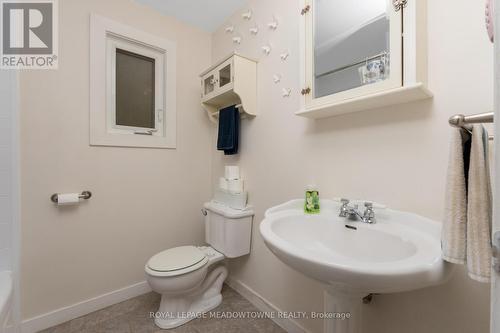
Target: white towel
[(479, 208), (454, 234)]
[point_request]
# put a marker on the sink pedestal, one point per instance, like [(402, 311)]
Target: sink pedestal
[(342, 311)]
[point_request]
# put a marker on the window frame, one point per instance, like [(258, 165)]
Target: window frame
[(105, 37), (116, 42)]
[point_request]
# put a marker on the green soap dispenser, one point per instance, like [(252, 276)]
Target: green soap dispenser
[(311, 205)]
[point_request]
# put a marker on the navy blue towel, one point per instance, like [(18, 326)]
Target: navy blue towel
[(229, 130)]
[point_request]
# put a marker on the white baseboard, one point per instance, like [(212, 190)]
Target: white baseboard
[(67, 313), (289, 325)]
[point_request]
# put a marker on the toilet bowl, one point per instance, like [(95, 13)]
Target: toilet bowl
[(189, 278), (190, 281)]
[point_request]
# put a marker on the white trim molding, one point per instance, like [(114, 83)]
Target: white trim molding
[(83, 308), (102, 29), (289, 325)]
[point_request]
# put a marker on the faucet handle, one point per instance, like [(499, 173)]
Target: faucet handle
[(369, 214), (344, 208)]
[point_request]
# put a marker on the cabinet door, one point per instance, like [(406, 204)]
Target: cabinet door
[(353, 48), (209, 84), (225, 76)]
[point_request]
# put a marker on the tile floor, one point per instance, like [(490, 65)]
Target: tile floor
[(132, 316)]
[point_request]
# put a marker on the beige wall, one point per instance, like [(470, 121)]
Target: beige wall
[(145, 200), (396, 155)]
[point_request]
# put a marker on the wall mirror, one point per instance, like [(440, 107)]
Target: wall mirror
[(352, 45), (355, 49)]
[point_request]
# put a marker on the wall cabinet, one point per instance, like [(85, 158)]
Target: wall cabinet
[(359, 55), (231, 81), (218, 80)]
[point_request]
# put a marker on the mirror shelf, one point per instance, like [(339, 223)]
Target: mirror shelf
[(406, 94)]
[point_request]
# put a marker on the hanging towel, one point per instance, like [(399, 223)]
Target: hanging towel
[(229, 130), (454, 235), (479, 208)]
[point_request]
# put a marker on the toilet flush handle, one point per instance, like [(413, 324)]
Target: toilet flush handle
[(204, 212)]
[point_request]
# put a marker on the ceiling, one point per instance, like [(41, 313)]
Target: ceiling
[(207, 15)]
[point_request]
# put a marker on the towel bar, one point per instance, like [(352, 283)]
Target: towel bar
[(461, 121)]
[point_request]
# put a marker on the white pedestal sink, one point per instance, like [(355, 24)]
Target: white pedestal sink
[(401, 252)]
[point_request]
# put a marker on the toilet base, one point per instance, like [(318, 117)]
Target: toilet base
[(175, 311), (196, 310)]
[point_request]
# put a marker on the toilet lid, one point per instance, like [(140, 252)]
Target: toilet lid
[(176, 258)]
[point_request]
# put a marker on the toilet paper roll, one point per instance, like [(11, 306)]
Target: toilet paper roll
[(68, 199), (232, 172), (235, 185), (223, 183)]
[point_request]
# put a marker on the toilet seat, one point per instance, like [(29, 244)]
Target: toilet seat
[(176, 261)]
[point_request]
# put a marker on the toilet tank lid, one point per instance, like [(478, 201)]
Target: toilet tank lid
[(228, 212)]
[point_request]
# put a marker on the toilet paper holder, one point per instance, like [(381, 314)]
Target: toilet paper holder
[(84, 195)]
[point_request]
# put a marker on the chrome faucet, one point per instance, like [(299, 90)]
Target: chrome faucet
[(352, 213)]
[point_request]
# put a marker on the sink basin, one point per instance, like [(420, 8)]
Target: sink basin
[(400, 252)]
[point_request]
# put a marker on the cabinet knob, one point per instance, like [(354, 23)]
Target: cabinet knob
[(305, 91)]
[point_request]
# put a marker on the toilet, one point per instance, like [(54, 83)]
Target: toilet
[(189, 278)]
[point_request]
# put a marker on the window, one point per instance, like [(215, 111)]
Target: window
[(132, 87), (134, 80), (135, 90)]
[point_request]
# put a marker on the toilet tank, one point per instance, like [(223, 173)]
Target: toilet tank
[(228, 230)]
